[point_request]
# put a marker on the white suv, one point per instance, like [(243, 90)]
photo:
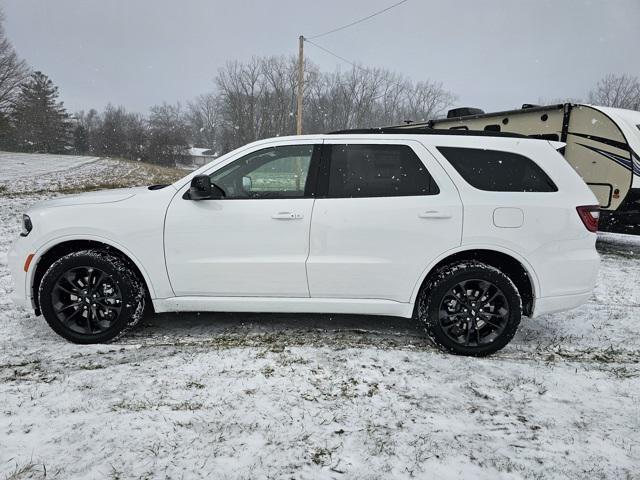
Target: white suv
[(463, 230)]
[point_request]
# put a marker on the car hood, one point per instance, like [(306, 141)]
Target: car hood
[(102, 196)]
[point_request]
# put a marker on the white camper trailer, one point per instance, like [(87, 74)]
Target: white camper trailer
[(602, 145)]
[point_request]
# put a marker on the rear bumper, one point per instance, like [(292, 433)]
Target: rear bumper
[(567, 268), (560, 303)]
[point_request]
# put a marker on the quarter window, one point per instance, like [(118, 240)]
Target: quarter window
[(377, 171), (498, 171), (275, 172)]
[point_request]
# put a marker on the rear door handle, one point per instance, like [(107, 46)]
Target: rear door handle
[(287, 216), (434, 214)]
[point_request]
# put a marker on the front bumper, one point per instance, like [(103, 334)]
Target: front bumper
[(21, 295)]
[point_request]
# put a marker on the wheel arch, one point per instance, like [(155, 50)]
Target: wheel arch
[(518, 270), (56, 249)]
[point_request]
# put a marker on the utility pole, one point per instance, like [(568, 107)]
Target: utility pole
[(300, 84)]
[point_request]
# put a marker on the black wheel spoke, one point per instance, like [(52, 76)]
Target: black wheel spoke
[(97, 281), (71, 280), (73, 291), (113, 308), (89, 323), (450, 325), (475, 327), (65, 307), (489, 322), (70, 317), (483, 288), (492, 298)]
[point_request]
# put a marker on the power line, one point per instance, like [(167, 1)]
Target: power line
[(354, 65), (358, 21)]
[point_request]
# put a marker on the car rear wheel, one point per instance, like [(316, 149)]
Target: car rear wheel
[(470, 308), (91, 296)]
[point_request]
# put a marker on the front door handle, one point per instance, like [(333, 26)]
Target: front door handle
[(287, 216), (434, 214)]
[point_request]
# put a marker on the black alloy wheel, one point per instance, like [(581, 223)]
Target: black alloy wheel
[(474, 312), (92, 296), (86, 300), (469, 308)]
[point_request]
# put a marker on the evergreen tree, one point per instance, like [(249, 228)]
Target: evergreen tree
[(7, 136), (41, 123)]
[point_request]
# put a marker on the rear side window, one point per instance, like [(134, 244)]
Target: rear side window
[(377, 171), (498, 171)]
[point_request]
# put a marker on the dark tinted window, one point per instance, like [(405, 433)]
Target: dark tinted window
[(377, 171), (498, 171)]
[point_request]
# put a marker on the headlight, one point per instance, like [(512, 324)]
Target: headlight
[(27, 226)]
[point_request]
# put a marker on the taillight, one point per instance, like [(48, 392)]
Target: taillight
[(589, 214)]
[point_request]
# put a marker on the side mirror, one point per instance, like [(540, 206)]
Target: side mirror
[(202, 189), (246, 184)]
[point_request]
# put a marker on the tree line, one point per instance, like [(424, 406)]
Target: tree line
[(255, 100), (250, 100)]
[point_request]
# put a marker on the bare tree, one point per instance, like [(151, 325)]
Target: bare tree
[(241, 86), (86, 125), (620, 91), (13, 71), (365, 98), (203, 117), (426, 100), (168, 134)]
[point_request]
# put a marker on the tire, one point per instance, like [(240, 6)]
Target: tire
[(104, 297), (457, 315)]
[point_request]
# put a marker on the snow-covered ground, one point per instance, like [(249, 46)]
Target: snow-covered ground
[(22, 173), (316, 396)]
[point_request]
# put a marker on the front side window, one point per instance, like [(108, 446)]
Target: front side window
[(274, 172), (498, 171), (377, 171)]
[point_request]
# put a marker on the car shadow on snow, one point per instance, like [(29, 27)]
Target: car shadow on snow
[(289, 329)]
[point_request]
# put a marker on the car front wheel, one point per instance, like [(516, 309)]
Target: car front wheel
[(470, 308), (91, 296)]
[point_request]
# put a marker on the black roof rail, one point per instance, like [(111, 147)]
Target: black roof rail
[(403, 130)]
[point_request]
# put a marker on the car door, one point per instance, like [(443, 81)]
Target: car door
[(385, 210), (253, 242)]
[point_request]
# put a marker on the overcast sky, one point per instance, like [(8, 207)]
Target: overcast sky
[(493, 54)]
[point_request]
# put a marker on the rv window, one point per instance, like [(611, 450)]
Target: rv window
[(492, 128), (498, 171)]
